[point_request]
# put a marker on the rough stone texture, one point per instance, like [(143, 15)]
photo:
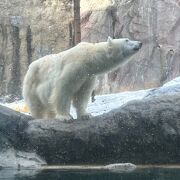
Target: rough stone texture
[(29, 30), (141, 131), (146, 131), (12, 126), (13, 145), (155, 22)]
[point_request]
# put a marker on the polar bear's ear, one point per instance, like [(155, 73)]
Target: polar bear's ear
[(110, 45), (109, 40)]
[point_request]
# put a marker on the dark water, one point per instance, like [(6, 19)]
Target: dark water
[(140, 174)]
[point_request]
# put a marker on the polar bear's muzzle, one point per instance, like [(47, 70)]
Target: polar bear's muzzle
[(138, 46)]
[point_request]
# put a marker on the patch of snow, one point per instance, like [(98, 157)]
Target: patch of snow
[(175, 81), (170, 87), (102, 104), (18, 159), (106, 103)]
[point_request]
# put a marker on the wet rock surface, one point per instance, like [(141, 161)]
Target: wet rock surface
[(13, 145), (144, 131)]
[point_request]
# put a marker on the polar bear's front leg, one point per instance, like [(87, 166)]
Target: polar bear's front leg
[(63, 106), (61, 99), (81, 98)]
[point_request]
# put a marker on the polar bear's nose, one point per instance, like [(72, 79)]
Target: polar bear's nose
[(140, 44)]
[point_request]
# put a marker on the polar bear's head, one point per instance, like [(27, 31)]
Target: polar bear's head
[(123, 48)]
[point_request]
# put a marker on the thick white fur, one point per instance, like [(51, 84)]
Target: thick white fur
[(53, 81)]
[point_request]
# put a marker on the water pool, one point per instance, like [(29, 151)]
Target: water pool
[(138, 174)]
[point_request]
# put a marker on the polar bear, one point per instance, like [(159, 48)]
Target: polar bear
[(54, 81)]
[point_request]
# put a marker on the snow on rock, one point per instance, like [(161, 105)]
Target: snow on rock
[(105, 103), (175, 81), (170, 87), (17, 106), (102, 104), (17, 159)]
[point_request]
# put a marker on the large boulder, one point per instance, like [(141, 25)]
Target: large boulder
[(144, 131), (141, 131), (13, 144)]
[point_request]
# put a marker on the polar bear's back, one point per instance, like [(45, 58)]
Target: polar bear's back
[(42, 68)]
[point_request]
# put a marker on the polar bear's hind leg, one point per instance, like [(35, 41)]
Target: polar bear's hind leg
[(36, 108), (81, 98)]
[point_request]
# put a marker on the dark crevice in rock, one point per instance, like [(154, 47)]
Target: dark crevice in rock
[(114, 20), (4, 35), (154, 21), (175, 27), (85, 19), (1, 71), (129, 21), (167, 66), (29, 44), (14, 86), (71, 36)]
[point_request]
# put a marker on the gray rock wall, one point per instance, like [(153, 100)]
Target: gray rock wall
[(156, 23), (29, 30)]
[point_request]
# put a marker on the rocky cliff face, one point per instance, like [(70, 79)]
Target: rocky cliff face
[(29, 30), (156, 23)]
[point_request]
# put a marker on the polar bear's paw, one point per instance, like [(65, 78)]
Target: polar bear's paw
[(86, 116), (64, 118)]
